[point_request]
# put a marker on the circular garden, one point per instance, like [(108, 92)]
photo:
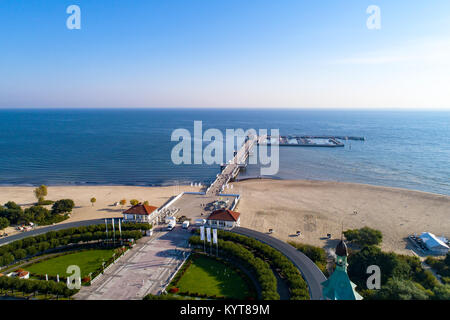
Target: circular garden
[(36, 267)]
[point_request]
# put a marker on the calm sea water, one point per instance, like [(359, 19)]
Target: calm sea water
[(132, 147)]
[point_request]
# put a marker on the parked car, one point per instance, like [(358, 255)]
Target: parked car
[(185, 224)]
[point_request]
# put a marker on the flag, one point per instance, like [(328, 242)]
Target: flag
[(214, 235), (208, 234), (202, 233)]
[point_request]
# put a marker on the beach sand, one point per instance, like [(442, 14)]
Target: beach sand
[(106, 196), (313, 207), (317, 207)]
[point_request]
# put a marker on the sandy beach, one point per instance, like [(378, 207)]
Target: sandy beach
[(106, 196), (317, 207), (313, 207)]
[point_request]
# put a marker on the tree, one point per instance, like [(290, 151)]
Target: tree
[(364, 237), (13, 212), (40, 193), (441, 292), (63, 206), (93, 200), (123, 202), (447, 260), (398, 289), (4, 223), (146, 203), (134, 202), (37, 214)]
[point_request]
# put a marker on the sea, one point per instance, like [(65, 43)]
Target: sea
[(405, 149)]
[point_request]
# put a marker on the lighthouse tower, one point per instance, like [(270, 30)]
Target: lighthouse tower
[(339, 286)]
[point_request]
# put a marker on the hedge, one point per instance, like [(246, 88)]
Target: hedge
[(264, 274), (39, 244), (175, 290), (316, 254), (36, 286), (297, 285)]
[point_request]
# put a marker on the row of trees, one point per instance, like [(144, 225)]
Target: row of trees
[(133, 202), (12, 213), (28, 286), (263, 272), (32, 246), (297, 285)]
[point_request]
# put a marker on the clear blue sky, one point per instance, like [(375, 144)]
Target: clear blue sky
[(225, 53)]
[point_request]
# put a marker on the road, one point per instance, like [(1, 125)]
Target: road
[(46, 229), (312, 274)]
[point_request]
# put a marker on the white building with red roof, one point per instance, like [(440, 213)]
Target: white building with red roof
[(140, 213), (224, 219)]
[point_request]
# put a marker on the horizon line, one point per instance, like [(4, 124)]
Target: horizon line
[(235, 108)]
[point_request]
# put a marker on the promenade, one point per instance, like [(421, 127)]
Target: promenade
[(146, 269)]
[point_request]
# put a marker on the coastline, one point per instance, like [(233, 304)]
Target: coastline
[(313, 207)]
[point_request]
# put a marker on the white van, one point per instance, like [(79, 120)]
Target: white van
[(185, 224), (171, 225)]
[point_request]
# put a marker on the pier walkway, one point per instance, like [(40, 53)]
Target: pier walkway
[(232, 168)]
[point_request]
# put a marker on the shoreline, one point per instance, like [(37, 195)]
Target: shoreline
[(257, 178)]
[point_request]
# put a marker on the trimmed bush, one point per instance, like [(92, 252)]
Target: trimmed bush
[(32, 246), (264, 274), (297, 285)]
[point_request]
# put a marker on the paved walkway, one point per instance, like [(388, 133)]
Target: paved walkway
[(145, 269)]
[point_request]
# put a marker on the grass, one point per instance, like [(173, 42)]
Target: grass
[(213, 278), (88, 261)]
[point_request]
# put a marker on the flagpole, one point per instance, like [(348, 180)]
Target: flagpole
[(114, 231), (215, 241), (120, 232), (106, 226)]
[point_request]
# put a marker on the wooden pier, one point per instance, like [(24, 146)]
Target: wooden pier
[(232, 168)]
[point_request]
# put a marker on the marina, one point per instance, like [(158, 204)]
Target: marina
[(309, 141)]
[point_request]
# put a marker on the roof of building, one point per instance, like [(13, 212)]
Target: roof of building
[(341, 249), (339, 287), (432, 242), (225, 215), (141, 209), (22, 274)]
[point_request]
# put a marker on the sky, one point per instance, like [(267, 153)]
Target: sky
[(225, 54)]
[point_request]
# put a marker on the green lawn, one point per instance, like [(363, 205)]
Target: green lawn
[(88, 261), (211, 277)]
